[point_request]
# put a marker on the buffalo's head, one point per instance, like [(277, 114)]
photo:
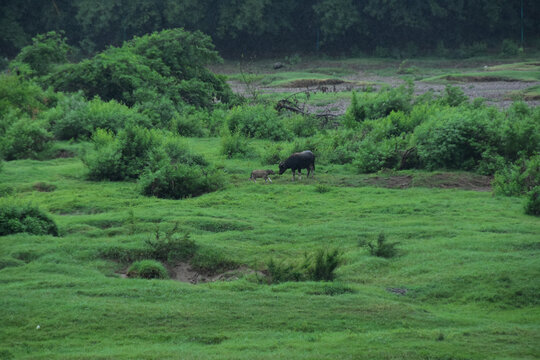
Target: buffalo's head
[(282, 168)]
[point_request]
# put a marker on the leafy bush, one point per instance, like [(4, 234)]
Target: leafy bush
[(453, 96), (520, 132), (45, 51), (171, 62), (377, 105), (533, 202), (259, 121), (373, 156), (300, 125), (74, 117), (21, 97), (18, 218), (456, 138), (190, 124), (120, 157), (518, 178), (382, 248), (25, 138), (234, 145), (509, 48), (148, 269), (177, 181), (271, 154), (164, 165)]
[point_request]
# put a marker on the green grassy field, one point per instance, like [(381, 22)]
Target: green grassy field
[(465, 283)]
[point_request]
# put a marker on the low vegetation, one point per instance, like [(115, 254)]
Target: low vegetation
[(135, 163)]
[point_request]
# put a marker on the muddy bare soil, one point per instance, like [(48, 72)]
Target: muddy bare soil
[(184, 272), (463, 181), (497, 92)]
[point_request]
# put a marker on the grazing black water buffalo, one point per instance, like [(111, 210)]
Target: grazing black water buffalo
[(299, 161)]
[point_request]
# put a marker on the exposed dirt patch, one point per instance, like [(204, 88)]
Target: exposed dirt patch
[(44, 187), (464, 181), (392, 182), (303, 83), (63, 153), (399, 291), (183, 272)]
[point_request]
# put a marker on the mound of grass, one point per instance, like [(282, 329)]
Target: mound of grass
[(27, 218), (148, 269)]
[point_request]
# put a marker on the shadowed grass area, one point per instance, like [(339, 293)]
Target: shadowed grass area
[(462, 285)]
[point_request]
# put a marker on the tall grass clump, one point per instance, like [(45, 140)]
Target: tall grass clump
[(382, 248), (319, 266), (148, 269)]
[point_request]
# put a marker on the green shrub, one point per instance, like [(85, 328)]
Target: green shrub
[(377, 105), (259, 121), (21, 97), (300, 125), (171, 62), (148, 269), (25, 139), (456, 138), (520, 132), (177, 181), (234, 145), (18, 218), (46, 51), (74, 117), (190, 124), (532, 207), (509, 48), (453, 96), (272, 154), (120, 157), (518, 178), (382, 248), (373, 156)]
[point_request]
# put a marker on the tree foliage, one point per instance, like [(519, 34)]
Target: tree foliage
[(400, 28)]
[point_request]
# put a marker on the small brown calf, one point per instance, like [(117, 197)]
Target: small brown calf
[(255, 174)]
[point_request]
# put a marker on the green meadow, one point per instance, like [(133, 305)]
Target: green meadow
[(463, 285)]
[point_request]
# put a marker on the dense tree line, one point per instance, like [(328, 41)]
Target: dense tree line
[(393, 27)]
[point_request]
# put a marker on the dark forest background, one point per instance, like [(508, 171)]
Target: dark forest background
[(272, 27)]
